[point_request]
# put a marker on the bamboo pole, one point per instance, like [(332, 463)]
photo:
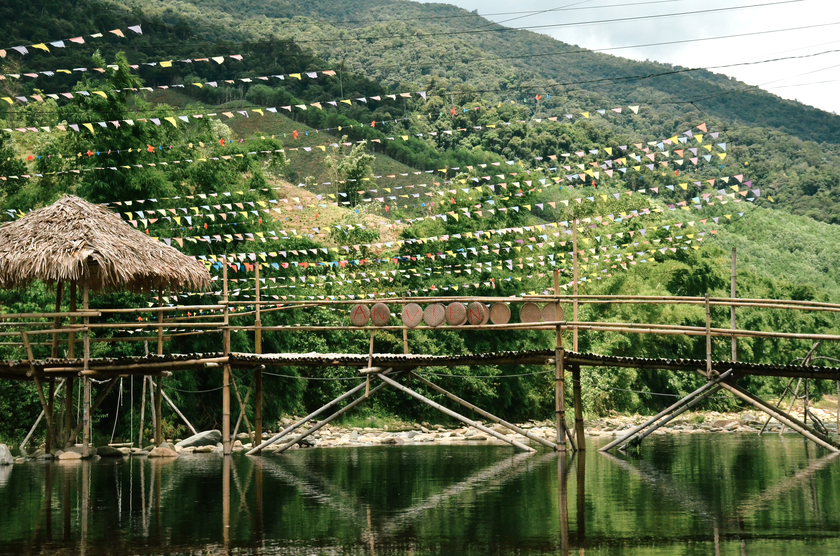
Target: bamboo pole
[(38, 420), (226, 368), (778, 403), (242, 409), (454, 415), (86, 347), (732, 294), (405, 332), (305, 420), (370, 364), (788, 420), (59, 290), (632, 432), (575, 286), (53, 436), (258, 373), (94, 406), (484, 414), (329, 419), (708, 338), (152, 411), (693, 403), (242, 406), (177, 411), (142, 413)]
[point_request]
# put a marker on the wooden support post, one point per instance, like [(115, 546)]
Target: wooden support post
[(152, 411), (159, 390), (335, 415), (575, 286), (242, 406), (559, 383), (455, 415), (71, 347), (142, 414), (370, 364), (732, 293), (52, 437), (485, 414), (226, 367), (305, 420), (226, 465), (405, 334), (258, 373), (708, 339), (86, 366), (69, 384), (59, 290), (580, 432)]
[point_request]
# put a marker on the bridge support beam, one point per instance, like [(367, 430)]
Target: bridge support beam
[(689, 401), (783, 417)]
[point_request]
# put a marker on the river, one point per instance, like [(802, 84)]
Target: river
[(681, 495)]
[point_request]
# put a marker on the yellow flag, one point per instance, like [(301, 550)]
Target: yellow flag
[(295, 75), (90, 127), (171, 120), (41, 46), (7, 99), (166, 64), (100, 93)]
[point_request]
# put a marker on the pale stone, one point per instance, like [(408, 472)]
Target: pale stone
[(6, 455), (67, 456), (205, 438), (162, 452), (202, 449)]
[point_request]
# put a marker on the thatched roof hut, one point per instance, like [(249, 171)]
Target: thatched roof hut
[(77, 240)]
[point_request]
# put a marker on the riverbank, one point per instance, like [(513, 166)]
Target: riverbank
[(393, 433)]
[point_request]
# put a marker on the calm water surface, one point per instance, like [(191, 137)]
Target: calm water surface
[(682, 495)]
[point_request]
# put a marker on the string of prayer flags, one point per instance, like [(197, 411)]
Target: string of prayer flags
[(62, 43)]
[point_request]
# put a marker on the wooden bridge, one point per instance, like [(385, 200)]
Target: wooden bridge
[(378, 371)]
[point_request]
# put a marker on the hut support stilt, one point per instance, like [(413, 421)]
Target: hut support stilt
[(158, 410), (485, 414), (453, 414), (305, 420), (258, 378), (561, 431), (86, 379), (142, 414), (635, 430)]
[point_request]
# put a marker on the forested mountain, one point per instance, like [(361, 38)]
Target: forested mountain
[(463, 181)]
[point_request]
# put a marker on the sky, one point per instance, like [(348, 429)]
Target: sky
[(813, 77)]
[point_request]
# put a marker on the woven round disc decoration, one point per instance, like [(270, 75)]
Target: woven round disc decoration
[(380, 314), (435, 314), (550, 312), (530, 312), (412, 315), (476, 313), (500, 313), (456, 314), (359, 315)]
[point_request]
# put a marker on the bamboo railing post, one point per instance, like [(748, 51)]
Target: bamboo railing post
[(258, 373), (59, 290), (732, 293), (708, 338), (86, 366), (559, 382), (575, 286), (71, 354), (159, 390), (226, 367), (405, 333)]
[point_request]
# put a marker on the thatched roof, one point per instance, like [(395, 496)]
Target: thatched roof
[(74, 239)]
